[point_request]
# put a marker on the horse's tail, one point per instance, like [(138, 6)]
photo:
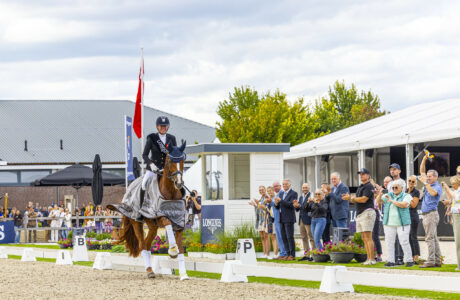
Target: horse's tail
[(128, 235)]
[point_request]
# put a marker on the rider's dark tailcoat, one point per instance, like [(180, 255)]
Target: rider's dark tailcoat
[(157, 149)]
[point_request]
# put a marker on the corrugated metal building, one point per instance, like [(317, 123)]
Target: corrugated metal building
[(40, 136)]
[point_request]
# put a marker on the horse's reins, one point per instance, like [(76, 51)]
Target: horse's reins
[(170, 177)]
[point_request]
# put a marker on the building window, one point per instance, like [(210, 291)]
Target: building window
[(238, 166), (31, 176), (9, 177), (214, 180)]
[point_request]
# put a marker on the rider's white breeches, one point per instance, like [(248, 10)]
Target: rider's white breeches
[(146, 178)]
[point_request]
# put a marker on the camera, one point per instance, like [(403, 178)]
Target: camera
[(192, 194)]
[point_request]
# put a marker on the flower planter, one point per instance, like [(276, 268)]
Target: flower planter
[(106, 247), (163, 251), (62, 246), (320, 258), (341, 257), (360, 257), (94, 247)]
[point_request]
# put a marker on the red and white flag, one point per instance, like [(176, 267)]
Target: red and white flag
[(137, 123)]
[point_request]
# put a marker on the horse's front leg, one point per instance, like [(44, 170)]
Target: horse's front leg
[(147, 246), (180, 257), (173, 250)]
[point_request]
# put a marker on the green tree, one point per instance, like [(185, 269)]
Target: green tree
[(249, 118), (344, 107), (246, 118)]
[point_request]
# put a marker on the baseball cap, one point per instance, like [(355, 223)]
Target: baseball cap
[(395, 165), (364, 171)]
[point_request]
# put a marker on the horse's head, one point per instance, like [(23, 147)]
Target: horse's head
[(174, 165)]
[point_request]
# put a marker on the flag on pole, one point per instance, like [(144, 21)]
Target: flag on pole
[(137, 124)]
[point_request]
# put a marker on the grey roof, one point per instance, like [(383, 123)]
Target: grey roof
[(237, 148), (87, 127)]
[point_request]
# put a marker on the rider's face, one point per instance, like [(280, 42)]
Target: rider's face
[(162, 129)]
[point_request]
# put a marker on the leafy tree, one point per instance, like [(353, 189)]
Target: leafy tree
[(270, 119), (249, 118)]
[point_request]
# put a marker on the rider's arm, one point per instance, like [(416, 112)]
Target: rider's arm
[(145, 154)]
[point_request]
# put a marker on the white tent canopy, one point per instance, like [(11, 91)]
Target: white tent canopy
[(416, 124)]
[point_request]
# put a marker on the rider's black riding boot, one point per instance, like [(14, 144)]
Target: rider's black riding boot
[(142, 196)]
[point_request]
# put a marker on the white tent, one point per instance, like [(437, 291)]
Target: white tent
[(426, 122)]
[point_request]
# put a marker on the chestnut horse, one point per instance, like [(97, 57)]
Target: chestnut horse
[(132, 231)]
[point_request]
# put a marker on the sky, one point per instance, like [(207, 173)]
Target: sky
[(196, 52)]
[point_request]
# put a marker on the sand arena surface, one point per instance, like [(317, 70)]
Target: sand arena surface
[(42, 280)]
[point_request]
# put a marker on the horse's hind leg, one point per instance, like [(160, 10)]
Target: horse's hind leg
[(147, 246), (180, 257), (173, 250)]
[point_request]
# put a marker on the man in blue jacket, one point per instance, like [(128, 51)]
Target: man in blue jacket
[(305, 222), (339, 207), (286, 203)]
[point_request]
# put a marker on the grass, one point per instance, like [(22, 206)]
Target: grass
[(358, 288), (53, 260), (32, 246), (444, 268)]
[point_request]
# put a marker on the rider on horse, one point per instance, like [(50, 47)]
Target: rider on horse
[(157, 144)]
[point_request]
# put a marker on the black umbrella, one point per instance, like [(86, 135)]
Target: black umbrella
[(77, 175), (97, 186), (136, 168)]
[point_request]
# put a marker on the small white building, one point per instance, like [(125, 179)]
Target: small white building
[(232, 173)]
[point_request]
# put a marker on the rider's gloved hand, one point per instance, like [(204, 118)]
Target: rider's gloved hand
[(154, 168)]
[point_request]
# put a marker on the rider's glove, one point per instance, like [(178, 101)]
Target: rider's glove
[(154, 168)]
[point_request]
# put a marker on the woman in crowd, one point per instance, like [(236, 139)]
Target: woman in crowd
[(453, 209), (17, 225), (396, 221), (414, 218), (87, 212), (268, 206), (99, 221), (108, 222), (317, 206), (67, 223), (12, 213), (261, 222), (55, 214)]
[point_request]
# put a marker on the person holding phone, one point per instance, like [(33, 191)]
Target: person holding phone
[(317, 206)]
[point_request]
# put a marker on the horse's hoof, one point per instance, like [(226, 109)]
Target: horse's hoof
[(184, 277), (173, 251), (151, 275)]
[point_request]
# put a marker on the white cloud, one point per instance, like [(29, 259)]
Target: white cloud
[(197, 51)]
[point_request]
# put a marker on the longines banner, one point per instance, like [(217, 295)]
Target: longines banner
[(212, 222)]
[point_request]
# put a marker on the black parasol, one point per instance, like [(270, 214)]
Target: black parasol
[(97, 186)]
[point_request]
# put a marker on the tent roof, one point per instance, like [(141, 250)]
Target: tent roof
[(420, 123), (78, 175)]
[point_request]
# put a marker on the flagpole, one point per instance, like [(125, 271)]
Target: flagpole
[(142, 111)]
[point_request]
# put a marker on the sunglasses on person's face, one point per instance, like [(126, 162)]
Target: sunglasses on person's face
[(412, 181), (318, 194), (458, 173), (395, 188)]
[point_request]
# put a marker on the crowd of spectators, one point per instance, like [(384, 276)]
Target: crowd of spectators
[(35, 216), (394, 202)]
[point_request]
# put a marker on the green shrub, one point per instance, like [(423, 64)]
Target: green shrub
[(70, 235), (357, 239)]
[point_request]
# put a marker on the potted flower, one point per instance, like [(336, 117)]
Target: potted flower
[(319, 255), (341, 252), (93, 245), (163, 248), (155, 248), (360, 253), (106, 244), (65, 243)]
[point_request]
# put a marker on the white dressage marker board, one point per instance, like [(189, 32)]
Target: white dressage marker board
[(28, 255), (63, 258), (245, 252), (103, 261), (80, 253), (3, 252)]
